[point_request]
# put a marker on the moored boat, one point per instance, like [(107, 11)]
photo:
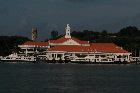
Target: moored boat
[(92, 61), (14, 57)]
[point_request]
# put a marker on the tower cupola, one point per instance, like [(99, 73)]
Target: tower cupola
[(67, 31)]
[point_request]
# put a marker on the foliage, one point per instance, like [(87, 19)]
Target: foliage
[(104, 33), (129, 31), (54, 34), (10, 43)]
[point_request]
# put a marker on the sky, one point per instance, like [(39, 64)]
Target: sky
[(18, 17)]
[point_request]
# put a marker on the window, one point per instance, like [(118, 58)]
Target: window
[(119, 56), (52, 55), (96, 56), (59, 55)]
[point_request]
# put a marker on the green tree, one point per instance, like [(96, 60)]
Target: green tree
[(10, 43), (104, 33), (54, 34), (129, 31)]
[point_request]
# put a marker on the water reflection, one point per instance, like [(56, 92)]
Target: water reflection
[(69, 78)]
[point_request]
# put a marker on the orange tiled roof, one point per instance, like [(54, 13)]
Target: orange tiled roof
[(70, 48), (63, 39), (95, 47), (36, 43), (108, 47), (79, 41)]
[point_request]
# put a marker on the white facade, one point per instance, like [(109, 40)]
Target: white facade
[(93, 57), (33, 49), (70, 42)]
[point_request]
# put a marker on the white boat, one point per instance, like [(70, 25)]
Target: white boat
[(14, 57), (92, 60)]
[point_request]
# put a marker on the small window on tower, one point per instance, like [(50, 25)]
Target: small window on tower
[(68, 30)]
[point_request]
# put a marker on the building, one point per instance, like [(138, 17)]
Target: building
[(75, 50), (34, 34), (31, 48)]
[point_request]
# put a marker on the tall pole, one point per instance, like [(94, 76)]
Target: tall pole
[(135, 53)]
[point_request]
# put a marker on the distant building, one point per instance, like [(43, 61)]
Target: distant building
[(34, 34), (31, 48), (68, 47)]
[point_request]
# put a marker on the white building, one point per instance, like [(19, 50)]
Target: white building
[(31, 48), (70, 48)]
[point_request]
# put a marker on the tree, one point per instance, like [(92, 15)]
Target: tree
[(129, 31), (46, 40), (10, 43), (54, 34), (104, 33), (88, 35)]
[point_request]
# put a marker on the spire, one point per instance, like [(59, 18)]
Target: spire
[(67, 31)]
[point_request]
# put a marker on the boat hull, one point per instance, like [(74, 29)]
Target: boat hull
[(17, 61), (85, 62), (14, 57)]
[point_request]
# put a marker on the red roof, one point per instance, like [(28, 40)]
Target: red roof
[(95, 47), (36, 43), (63, 39), (79, 41), (108, 47), (71, 48)]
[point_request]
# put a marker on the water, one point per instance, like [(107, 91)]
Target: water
[(69, 78)]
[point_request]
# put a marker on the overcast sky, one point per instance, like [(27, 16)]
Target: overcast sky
[(18, 17)]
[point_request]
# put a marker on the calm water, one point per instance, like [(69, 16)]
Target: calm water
[(68, 78)]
